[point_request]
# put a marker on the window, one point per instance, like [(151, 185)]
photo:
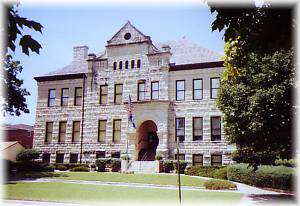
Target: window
[(180, 126), (60, 158), (73, 158), (76, 131), (103, 94), (132, 64), (141, 90), (101, 131), (116, 131), (215, 128), (49, 130), (214, 87), (78, 96), (115, 65), (62, 132), (138, 63), (180, 89), (197, 89), (120, 65), (46, 158), (154, 90), (197, 128), (64, 96), (51, 98), (100, 154), (115, 155), (216, 160), (118, 93), (181, 156), (126, 65), (197, 160)]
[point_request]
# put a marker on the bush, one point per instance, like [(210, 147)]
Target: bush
[(220, 173), (28, 155), (219, 185), (182, 166), (31, 166), (62, 168), (115, 165), (285, 162), (93, 166), (125, 157), (205, 171), (158, 157), (241, 173), (80, 169), (168, 166), (101, 164)]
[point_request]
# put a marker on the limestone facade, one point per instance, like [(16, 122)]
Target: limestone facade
[(90, 71)]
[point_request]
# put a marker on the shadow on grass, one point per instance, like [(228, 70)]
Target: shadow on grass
[(33, 175)]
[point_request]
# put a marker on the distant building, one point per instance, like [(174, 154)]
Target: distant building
[(82, 109), (21, 133), (10, 150)]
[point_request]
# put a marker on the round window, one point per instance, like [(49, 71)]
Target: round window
[(127, 36)]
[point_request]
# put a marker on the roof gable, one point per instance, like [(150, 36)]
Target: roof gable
[(128, 34)]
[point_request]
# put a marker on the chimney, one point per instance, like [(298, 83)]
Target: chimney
[(166, 48), (80, 53)]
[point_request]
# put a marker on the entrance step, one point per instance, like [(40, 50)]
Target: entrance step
[(140, 166)]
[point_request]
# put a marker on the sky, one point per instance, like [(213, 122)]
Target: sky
[(92, 25)]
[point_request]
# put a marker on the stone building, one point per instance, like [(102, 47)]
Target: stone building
[(82, 108)]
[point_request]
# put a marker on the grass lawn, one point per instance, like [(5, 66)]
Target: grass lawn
[(76, 193), (159, 179)]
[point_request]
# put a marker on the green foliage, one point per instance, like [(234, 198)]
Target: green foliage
[(219, 185), (241, 173), (93, 166), (207, 171), (28, 155), (62, 168), (125, 157), (80, 169), (168, 166), (285, 162), (101, 164), (220, 173), (182, 166), (158, 157), (115, 165), (31, 166)]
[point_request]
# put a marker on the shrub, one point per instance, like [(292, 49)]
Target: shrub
[(93, 166), (241, 173), (80, 169), (158, 157), (31, 166), (115, 165), (285, 162), (220, 173), (62, 168), (204, 171), (28, 155), (101, 164), (182, 166), (125, 157), (168, 166), (219, 185)]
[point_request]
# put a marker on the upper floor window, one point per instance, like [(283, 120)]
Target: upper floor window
[(216, 160), (180, 89), (154, 90), (116, 131), (197, 128), (215, 127), (120, 65), (115, 65), (141, 90), (214, 87), (126, 65), (101, 131), (118, 93), (78, 96), (51, 98), (103, 94), (138, 63), (132, 64), (76, 131), (180, 129), (49, 131), (197, 160), (64, 96), (62, 132), (197, 89)]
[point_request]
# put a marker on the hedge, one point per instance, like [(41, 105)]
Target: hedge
[(182, 166), (285, 162), (115, 165), (219, 185), (241, 173), (30, 166), (80, 169), (168, 166), (28, 155), (207, 171)]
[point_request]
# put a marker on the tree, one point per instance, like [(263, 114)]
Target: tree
[(14, 100), (256, 87)]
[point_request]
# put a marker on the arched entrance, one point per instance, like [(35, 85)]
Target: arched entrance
[(147, 141)]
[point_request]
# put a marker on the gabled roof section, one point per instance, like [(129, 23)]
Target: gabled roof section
[(128, 34)]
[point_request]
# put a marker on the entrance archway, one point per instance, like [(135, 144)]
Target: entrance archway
[(147, 141)]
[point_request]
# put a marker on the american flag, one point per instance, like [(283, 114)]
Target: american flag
[(130, 115)]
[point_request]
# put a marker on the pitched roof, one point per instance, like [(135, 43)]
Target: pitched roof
[(5, 145), (17, 126)]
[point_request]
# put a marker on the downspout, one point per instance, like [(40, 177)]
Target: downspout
[(82, 117)]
